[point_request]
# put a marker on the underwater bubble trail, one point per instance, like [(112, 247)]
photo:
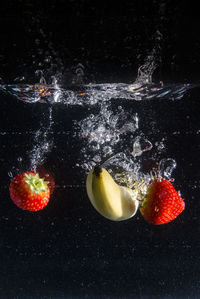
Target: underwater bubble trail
[(42, 143), (100, 131)]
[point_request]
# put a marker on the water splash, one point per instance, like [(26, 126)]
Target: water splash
[(119, 162), (106, 126), (92, 94), (145, 71), (141, 145), (102, 130), (126, 170), (166, 167), (42, 144), (10, 174)]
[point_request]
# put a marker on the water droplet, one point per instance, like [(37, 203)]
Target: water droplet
[(10, 174), (42, 80), (141, 145), (107, 150), (166, 167), (97, 158), (118, 163), (37, 41), (160, 145)]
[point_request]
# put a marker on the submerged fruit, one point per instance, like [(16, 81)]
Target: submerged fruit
[(108, 198), (29, 192), (162, 203)]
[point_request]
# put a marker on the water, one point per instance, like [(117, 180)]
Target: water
[(113, 122), (42, 143), (110, 134), (92, 94), (71, 98)]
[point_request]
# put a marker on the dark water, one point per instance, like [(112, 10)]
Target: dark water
[(70, 71), (68, 248)]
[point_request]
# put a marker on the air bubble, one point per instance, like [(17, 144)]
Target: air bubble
[(166, 167), (97, 158), (10, 174), (104, 130), (107, 150), (141, 145)]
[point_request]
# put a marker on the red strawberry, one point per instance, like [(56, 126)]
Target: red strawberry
[(162, 203), (47, 176), (29, 192)]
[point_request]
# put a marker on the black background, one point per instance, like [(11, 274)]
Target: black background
[(110, 39), (67, 250)]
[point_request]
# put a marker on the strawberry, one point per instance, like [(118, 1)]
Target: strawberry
[(29, 192), (47, 176), (162, 203)]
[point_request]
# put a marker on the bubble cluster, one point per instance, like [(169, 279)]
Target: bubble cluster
[(42, 144), (103, 131)]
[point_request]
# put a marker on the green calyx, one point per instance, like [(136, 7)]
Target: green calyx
[(36, 183)]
